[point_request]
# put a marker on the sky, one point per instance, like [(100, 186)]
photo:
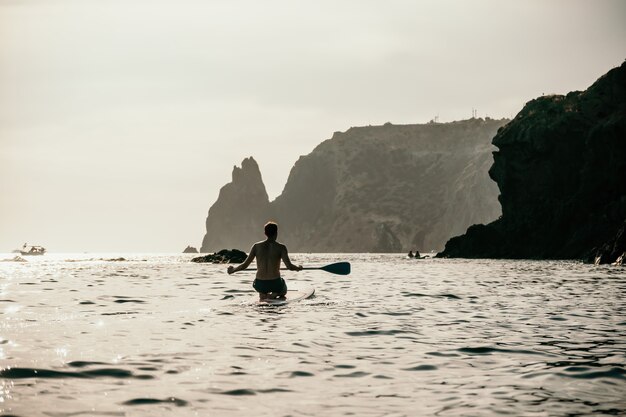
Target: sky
[(120, 120)]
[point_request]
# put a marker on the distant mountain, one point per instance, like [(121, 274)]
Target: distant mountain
[(560, 167), (390, 188)]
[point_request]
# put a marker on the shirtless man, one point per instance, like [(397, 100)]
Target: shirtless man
[(268, 282)]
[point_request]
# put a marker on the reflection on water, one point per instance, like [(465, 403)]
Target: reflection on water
[(147, 335)]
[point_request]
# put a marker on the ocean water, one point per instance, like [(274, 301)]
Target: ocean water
[(85, 335)]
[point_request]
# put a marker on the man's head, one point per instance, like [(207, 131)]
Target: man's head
[(271, 230)]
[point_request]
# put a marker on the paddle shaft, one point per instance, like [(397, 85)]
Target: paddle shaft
[(339, 268), (285, 269)]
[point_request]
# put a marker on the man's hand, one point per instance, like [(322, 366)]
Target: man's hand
[(231, 269)]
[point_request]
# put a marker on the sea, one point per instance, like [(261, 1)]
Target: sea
[(158, 335)]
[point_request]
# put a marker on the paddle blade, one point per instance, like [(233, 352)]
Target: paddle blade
[(339, 268)]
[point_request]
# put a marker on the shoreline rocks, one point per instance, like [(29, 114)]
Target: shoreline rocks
[(225, 256), (612, 252)]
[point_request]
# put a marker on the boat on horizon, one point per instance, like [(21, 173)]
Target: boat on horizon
[(32, 250)]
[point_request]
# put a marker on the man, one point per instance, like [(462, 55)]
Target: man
[(268, 254)]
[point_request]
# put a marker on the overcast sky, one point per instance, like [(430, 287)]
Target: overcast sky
[(121, 120)]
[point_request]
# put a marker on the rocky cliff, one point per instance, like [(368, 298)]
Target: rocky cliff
[(236, 219), (560, 167), (390, 188)]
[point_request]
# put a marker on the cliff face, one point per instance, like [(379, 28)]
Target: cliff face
[(236, 219), (560, 167), (390, 188), (375, 189)]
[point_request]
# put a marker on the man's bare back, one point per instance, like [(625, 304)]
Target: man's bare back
[(268, 254)]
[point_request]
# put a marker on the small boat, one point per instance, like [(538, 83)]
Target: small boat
[(32, 250)]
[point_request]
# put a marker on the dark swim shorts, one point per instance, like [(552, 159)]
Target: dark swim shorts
[(265, 286)]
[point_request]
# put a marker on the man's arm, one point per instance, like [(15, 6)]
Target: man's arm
[(287, 261), (246, 263)]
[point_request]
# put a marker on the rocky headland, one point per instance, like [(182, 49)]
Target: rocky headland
[(560, 168), (390, 188)]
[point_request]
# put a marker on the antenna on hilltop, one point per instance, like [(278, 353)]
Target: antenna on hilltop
[(474, 113)]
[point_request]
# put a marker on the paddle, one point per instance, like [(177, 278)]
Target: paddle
[(339, 268)]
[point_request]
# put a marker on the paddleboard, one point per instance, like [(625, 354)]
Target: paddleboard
[(291, 297)]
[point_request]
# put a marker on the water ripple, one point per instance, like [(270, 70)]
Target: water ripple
[(21, 373), (142, 401)]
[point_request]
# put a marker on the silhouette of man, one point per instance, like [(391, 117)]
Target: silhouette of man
[(268, 254)]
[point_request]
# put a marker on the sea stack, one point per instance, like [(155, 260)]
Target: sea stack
[(190, 249), (560, 168), (236, 219)]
